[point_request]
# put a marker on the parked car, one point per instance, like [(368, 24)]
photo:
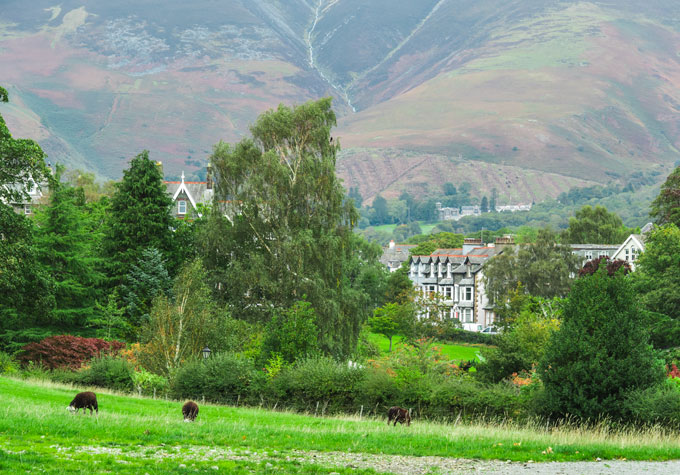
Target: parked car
[(491, 331)]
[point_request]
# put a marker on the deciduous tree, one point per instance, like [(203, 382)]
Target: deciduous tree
[(595, 226), (289, 230)]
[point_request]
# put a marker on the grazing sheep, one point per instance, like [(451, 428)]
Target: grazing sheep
[(399, 415), (86, 400), (190, 411)]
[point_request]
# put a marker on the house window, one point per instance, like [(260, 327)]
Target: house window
[(627, 254), (468, 294), (589, 255), (27, 209), (181, 207), (448, 292), (603, 254), (633, 253), (467, 315)]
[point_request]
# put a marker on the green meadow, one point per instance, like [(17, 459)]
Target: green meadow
[(454, 352), (143, 435)]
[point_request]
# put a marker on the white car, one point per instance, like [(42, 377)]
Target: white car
[(490, 331)]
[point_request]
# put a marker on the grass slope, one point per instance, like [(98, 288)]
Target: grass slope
[(452, 351), (135, 435)]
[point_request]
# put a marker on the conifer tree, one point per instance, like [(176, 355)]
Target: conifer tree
[(138, 218), (66, 247), (601, 351)]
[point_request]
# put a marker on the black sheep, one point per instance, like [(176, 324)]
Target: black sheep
[(190, 411), (399, 415), (85, 400)]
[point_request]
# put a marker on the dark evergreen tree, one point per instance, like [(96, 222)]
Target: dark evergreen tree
[(381, 214), (138, 218), (601, 351), (26, 289), (67, 248), (492, 201), (484, 205), (146, 280)]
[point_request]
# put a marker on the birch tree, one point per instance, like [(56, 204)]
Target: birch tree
[(179, 327), (288, 230)]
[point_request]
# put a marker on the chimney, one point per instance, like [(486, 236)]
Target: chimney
[(392, 244), (208, 177), (469, 244), (505, 241), (159, 165)]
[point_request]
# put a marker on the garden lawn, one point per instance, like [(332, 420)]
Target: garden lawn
[(138, 435), (453, 351)]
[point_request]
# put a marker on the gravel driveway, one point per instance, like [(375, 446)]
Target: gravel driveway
[(396, 464)]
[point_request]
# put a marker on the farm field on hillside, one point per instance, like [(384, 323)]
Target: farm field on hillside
[(138, 435), (452, 351)]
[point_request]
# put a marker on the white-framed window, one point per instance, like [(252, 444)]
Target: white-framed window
[(633, 253), (589, 255), (467, 315), (603, 254), (27, 209), (181, 207), (467, 295), (448, 292), (627, 255)]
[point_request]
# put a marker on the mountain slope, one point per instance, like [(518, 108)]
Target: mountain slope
[(530, 97)]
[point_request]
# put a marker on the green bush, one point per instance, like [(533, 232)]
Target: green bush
[(322, 380), (108, 372), (226, 377), (655, 405), (465, 397), (149, 383), (7, 364)]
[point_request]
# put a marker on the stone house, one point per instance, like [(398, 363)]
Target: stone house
[(455, 277)]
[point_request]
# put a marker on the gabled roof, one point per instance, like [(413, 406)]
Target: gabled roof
[(196, 191), (636, 239)]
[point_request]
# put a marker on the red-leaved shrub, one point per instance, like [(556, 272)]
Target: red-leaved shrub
[(67, 351)]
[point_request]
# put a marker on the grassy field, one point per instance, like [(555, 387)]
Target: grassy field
[(141, 435), (452, 351), (425, 228)]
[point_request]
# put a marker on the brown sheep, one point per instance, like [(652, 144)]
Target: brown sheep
[(399, 415), (190, 411), (84, 400)]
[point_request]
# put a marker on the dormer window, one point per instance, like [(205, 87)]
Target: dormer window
[(181, 207)]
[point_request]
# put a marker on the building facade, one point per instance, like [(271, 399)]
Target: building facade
[(454, 278)]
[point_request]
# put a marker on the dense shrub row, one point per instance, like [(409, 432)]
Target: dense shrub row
[(322, 385)]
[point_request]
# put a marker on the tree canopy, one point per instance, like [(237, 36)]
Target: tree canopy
[(544, 268), (138, 218), (595, 226), (22, 165), (666, 206), (601, 351), (288, 229)]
